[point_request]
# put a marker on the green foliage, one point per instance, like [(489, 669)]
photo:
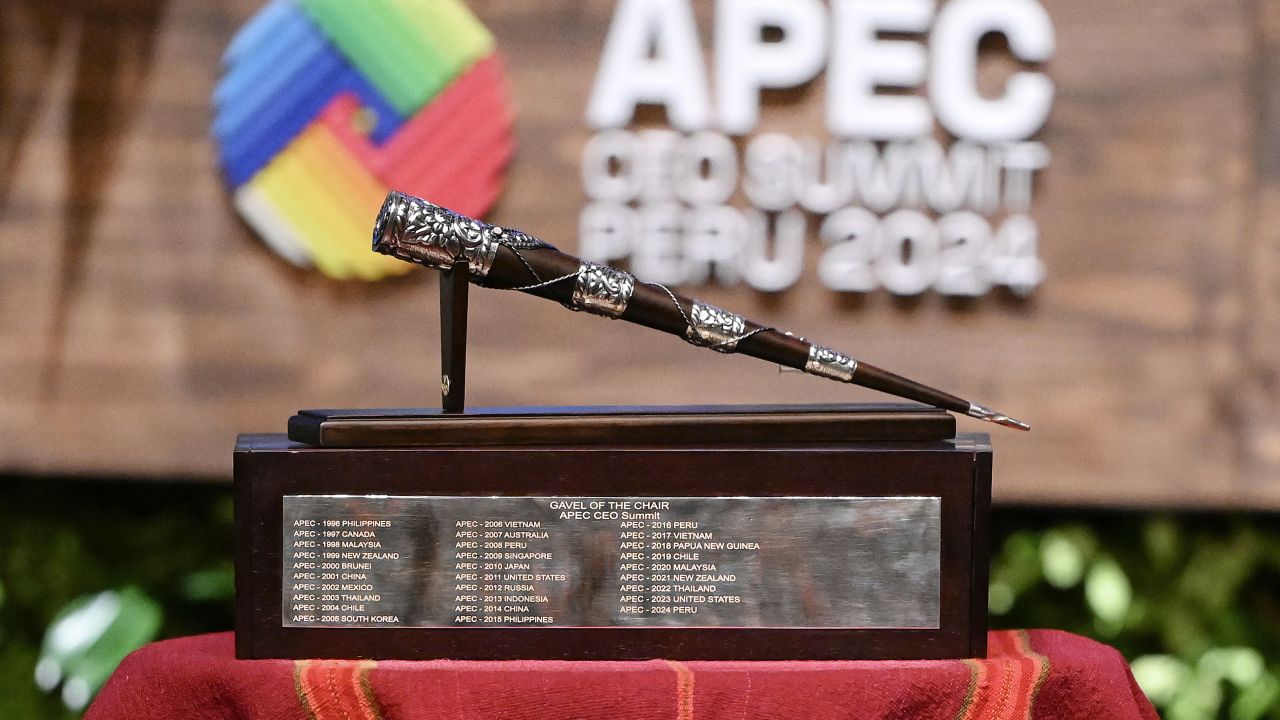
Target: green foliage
[(88, 640), (162, 552), (1193, 600)]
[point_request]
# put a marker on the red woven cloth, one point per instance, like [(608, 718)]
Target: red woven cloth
[(1029, 675)]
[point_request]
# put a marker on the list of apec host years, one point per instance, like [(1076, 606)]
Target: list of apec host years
[(469, 561)]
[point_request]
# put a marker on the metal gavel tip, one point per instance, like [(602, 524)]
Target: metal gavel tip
[(983, 412)]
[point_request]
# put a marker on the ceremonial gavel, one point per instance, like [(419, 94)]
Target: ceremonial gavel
[(415, 230)]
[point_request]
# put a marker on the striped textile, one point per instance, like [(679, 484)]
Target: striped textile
[(336, 690), (1004, 686), (1027, 675)]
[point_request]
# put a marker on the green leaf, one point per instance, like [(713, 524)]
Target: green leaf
[(90, 637), (213, 584), (1109, 594), (1256, 699), (1061, 561), (1160, 677), (1000, 598)]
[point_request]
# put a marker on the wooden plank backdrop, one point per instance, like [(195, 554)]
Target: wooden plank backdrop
[(142, 325)]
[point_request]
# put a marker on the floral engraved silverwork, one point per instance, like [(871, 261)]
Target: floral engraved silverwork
[(602, 290), (418, 231), (827, 363), (711, 327)]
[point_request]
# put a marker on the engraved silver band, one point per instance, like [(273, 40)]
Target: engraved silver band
[(827, 363), (711, 327), (413, 229), (602, 290)]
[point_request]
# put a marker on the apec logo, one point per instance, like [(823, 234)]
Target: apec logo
[(327, 104), (894, 206)]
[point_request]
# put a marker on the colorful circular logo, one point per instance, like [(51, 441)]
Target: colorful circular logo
[(325, 105)]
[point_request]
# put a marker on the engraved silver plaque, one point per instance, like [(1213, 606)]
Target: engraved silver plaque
[(464, 561)]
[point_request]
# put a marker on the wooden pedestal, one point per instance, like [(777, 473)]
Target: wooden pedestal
[(717, 460)]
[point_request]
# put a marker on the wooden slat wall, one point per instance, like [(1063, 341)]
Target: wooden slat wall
[(1259, 388), (142, 325)]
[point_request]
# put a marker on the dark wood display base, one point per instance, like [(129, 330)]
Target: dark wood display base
[(624, 452), (680, 425)]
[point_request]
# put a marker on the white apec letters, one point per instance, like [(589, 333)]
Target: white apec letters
[(907, 252), (770, 162), (1024, 107), (652, 55), (746, 63), (673, 75), (609, 166), (773, 266), (898, 209), (852, 234), (657, 253), (861, 62), (713, 247), (605, 231), (708, 169)]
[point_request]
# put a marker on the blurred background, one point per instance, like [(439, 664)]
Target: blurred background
[(1065, 209)]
